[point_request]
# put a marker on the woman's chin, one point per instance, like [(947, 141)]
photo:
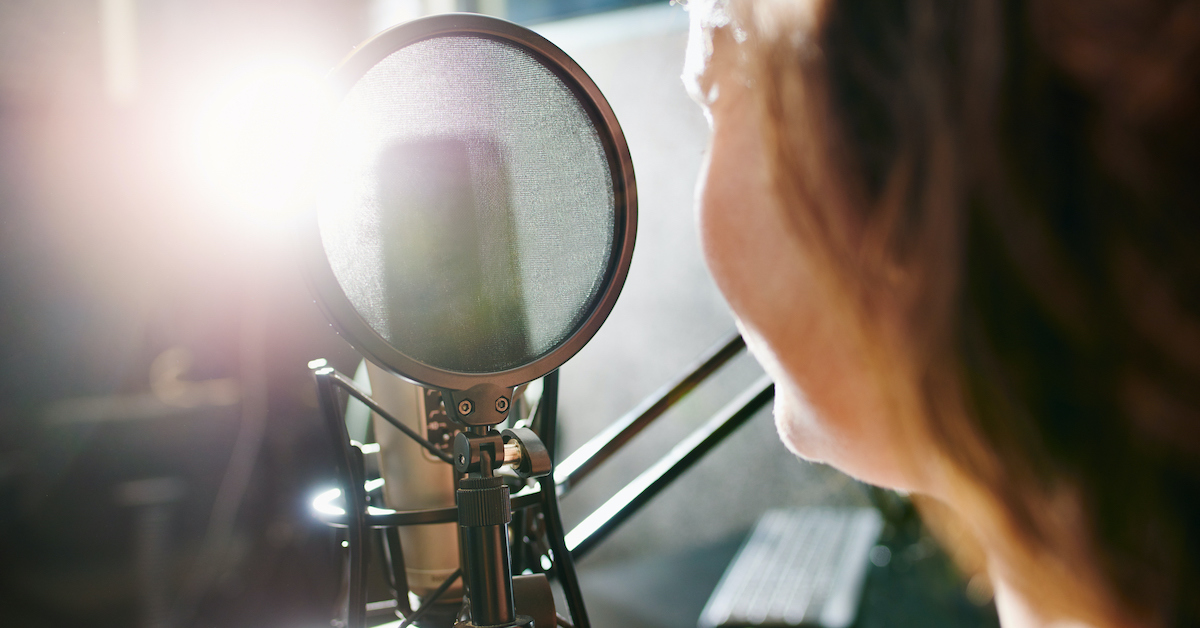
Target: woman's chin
[(799, 428), (805, 433)]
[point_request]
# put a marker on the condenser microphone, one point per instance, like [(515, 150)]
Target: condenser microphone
[(415, 480), (473, 231), (445, 219)]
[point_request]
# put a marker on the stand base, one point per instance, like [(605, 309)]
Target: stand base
[(522, 621)]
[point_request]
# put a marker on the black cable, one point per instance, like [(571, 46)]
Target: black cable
[(563, 565), (357, 393), (547, 414), (428, 604)]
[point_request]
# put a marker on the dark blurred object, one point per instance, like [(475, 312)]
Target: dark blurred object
[(153, 326), (148, 331)]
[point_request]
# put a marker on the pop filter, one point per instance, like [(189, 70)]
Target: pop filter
[(477, 208)]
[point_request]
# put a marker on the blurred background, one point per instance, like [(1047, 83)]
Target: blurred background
[(159, 438)]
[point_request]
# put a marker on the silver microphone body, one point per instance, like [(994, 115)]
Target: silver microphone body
[(414, 479)]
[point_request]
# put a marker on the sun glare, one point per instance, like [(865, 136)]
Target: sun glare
[(256, 137)]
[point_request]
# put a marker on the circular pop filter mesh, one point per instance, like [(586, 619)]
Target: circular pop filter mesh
[(470, 217)]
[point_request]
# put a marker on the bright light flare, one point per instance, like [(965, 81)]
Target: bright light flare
[(324, 501), (257, 135)]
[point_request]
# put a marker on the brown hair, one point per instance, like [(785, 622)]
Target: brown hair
[(1023, 179)]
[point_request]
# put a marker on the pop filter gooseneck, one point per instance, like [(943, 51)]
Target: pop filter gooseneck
[(473, 228)]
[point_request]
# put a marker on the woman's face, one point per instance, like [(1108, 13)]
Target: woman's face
[(826, 410)]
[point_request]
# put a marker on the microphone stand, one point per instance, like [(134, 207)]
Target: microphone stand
[(484, 508), (483, 514)]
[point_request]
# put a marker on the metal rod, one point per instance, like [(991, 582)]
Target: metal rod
[(350, 473), (605, 519), (384, 518), (564, 563), (357, 540), (483, 516), (584, 460), (358, 393), (487, 575), (397, 570)]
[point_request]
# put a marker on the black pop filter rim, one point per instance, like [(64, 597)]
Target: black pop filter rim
[(333, 300)]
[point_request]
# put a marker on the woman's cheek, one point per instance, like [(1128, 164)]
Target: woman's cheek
[(755, 267)]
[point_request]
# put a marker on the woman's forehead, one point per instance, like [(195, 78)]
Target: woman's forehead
[(709, 13), (705, 17)]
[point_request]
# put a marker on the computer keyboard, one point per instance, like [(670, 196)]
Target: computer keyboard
[(801, 567)]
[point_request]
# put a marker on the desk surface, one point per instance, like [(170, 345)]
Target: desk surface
[(919, 588)]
